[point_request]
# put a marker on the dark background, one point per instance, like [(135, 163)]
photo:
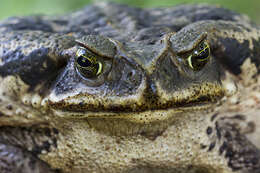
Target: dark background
[(28, 7)]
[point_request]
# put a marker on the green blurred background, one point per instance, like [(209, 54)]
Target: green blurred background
[(28, 7)]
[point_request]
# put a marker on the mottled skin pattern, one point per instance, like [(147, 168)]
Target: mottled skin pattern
[(148, 110)]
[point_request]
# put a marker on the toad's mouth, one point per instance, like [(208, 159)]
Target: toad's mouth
[(140, 116)]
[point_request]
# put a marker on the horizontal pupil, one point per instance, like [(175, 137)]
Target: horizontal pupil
[(83, 62), (203, 55)]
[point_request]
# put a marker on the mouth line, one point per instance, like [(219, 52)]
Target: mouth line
[(131, 107), (126, 113)]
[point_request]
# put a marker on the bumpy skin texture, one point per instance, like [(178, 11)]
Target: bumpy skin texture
[(148, 110)]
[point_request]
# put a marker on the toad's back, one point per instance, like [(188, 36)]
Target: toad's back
[(122, 22)]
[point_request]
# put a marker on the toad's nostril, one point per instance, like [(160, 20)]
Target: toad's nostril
[(153, 88), (130, 74)]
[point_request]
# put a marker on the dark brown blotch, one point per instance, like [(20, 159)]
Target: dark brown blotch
[(214, 116), (223, 147), (209, 130), (218, 131), (212, 146), (9, 107)]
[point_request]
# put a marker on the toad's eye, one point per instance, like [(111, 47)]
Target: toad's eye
[(199, 57), (88, 64)]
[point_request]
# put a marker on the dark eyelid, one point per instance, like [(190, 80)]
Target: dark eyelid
[(91, 50), (88, 52)]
